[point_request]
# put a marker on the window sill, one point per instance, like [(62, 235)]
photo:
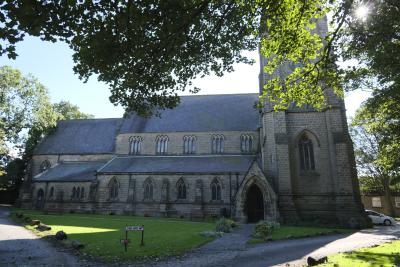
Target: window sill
[(216, 202)]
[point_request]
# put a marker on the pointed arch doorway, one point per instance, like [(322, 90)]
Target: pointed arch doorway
[(254, 204)]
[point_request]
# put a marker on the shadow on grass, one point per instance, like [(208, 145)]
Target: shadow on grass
[(374, 258)]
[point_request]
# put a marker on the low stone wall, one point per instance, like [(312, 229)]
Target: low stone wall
[(367, 200)]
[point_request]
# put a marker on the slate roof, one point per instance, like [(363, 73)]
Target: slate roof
[(70, 172), (201, 113), (86, 136), (179, 164)]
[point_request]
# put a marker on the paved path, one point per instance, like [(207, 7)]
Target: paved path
[(19, 247), (233, 251)]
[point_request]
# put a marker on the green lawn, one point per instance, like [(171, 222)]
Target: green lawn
[(101, 234), (286, 232), (384, 255)]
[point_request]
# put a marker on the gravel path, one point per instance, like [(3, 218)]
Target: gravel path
[(19, 247)]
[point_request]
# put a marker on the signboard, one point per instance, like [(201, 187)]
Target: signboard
[(126, 241), (134, 228)]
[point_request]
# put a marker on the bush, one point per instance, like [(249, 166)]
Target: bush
[(265, 228), (224, 225), (212, 234)]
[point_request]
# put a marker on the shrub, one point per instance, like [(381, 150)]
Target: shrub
[(265, 228), (223, 225), (232, 223), (212, 234)]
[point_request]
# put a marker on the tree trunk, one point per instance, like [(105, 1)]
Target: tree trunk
[(388, 196)]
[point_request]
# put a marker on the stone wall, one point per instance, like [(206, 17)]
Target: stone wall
[(384, 207)]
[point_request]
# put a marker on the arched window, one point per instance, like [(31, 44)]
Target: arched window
[(51, 194), (135, 145), (45, 165), (306, 151), (73, 192), (181, 186), (82, 192), (114, 188), (189, 144), (161, 144), (217, 144), (148, 189), (78, 193), (246, 143), (215, 190)]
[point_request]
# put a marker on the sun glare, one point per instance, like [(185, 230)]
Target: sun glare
[(362, 12)]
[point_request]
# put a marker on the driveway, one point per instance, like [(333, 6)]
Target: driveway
[(228, 251), (19, 247)]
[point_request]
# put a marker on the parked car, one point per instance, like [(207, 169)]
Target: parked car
[(379, 218)]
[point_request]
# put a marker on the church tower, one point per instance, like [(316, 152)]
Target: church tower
[(308, 158)]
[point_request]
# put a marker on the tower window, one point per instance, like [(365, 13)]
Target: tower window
[(45, 166), (161, 144), (135, 145), (246, 143), (306, 151), (217, 144), (189, 146)]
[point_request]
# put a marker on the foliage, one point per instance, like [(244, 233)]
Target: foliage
[(376, 153), (286, 232), (148, 51), (387, 254), (224, 225), (22, 99), (101, 234), (212, 234), (264, 229)]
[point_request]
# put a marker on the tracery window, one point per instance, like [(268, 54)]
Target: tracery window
[(51, 194), (148, 189), (246, 143), (215, 190), (181, 186), (189, 144), (217, 144), (306, 151), (73, 192), (44, 166), (135, 145), (114, 188), (161, 144), (82, 192)]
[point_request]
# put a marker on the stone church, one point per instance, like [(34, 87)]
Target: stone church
[(213, 155)]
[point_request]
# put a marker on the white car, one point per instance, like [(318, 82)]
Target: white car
[(378, 218)]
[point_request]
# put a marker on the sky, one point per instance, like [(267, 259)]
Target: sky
[(52, 64)]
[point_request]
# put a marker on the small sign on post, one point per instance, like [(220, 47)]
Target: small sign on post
[(126, 241)]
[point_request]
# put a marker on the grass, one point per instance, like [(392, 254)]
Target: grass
[(387, 254), (288, 232), (101, 234)]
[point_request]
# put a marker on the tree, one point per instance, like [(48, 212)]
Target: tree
[(22, 98), (377, 161), (148, 51)]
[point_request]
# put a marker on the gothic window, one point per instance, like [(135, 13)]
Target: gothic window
[(114, 188), (215, 190), (148, 189), (246, 143), (73, 192), (51, 194), (189, 144), (162, 144), (78, 193), (45, 165), (181, 186), (306, 153), (217, 144), (135, 145), (82, 192)]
